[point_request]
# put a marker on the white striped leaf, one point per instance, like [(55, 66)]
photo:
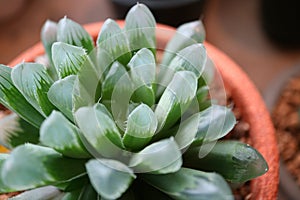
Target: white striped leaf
[(33, 81), (114, 40), (140, 28), (73, 33), (14, 100), (67, 59)]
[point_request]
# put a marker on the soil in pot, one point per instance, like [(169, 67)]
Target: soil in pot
[(286, 118)]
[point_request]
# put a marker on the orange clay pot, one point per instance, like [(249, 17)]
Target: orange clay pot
[(244, 94)]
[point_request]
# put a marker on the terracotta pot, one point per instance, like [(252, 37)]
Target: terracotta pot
[(288, 187), (244, 94)]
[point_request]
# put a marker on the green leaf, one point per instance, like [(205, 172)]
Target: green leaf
[(29, 166), (114, 40), (3, 187), (67, 59), (140, 28), (214, 123), (87, 192), (60, 134), (33, 82), (115, 74), (15, 131), (176, 98), (110, 178), (189, 184), (11, 98), (43, 193), (161, 157), (99, 130), (186, 35), (142, 72), (60, 95), (141, 126), (73, 33), (240, 162)]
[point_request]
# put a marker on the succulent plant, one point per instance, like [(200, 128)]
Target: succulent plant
[(109, 122)]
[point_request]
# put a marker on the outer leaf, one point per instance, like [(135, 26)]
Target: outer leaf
[(214, 123), (67, 59), (99, 130), (240, 162), (60, 95), (73, 33), (141, 126), (30, 166), (110, 178), (3, 187), (160, 158), (43, 193), (142, 72), (11, 98), (189, 184), (140, 28), (33, 82), (15, 131), (60, 134), (186, 35), (176, 98), (112, 39)]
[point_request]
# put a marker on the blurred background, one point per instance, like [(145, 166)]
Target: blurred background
[(262, 36)]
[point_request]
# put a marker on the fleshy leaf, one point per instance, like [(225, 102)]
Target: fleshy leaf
[(42, 193), (114, 40), (142, 72), (110, 178), (60, 134), (240, 162), (160, 157), (29, 166), (67, 58), (60, 95), (116, 72), (73, 33), (15, 131), (11, 98), (140, 28), (214, 123), (191, 184), (33, 81), (99, 130), (186, 35), (141, 126), (176, 98)]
